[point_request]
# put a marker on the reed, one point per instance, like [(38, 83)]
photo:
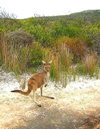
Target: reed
[(89, 66), (61, 61), (13, 58)]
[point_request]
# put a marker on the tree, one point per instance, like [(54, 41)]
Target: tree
[(4, 14)]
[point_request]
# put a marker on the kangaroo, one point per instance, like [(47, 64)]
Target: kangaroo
[(36, 81)]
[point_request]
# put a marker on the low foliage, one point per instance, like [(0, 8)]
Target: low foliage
[(25, 43)]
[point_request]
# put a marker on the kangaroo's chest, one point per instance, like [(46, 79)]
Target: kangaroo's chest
[(47, 76)]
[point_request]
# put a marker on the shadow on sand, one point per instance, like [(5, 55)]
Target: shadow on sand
[(54, 118)]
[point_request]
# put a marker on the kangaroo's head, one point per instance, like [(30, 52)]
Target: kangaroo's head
[(47, 66)]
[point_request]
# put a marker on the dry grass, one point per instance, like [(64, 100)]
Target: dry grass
[(14, 55), (61, 61), (90, 65), (3, 48), (76, 46)]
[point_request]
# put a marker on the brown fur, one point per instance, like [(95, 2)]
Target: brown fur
[(36, 81)]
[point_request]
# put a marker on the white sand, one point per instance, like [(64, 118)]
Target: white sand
[(82, 96)]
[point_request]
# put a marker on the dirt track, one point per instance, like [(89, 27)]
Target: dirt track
[(71, 109)]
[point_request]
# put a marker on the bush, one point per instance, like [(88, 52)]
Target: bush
[(96, 42), (75, 45), (19, 38), (35, 55)]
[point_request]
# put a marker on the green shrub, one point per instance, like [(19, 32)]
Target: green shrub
[(35, 55)]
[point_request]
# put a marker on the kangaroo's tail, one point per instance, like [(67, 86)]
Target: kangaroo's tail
[(22, 92)]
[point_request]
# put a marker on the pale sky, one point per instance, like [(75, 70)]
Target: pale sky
[(27, 8)]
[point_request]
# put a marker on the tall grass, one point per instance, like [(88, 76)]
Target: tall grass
[(64, 67), (3, 46), (61, 61), (19, 57), (13, 59), (89, 66)]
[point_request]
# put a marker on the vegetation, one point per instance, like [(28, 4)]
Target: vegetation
[(72, 43), (87, 15)]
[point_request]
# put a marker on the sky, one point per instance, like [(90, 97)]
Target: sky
[(27, 8)]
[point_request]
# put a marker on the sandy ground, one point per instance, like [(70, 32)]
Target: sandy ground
[(75, 107)]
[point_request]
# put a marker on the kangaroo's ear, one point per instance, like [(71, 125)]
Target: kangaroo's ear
[(43, 62), (50, 62)]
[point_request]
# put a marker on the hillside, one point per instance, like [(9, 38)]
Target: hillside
[(85, 15)]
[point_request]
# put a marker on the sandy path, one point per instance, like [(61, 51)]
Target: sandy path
[(76, 106)]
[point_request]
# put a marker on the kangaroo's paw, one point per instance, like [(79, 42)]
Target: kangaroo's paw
[(39, 105), (48, 97), (52, 98)]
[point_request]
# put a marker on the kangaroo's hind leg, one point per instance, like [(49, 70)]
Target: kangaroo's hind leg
[(45, 96), (34, 88), (34, 97)]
